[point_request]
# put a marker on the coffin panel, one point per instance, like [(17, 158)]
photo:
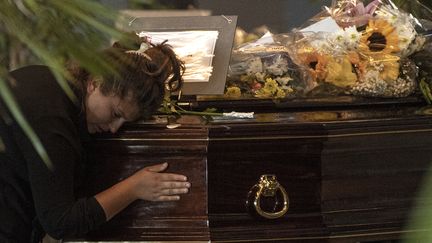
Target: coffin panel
[(372, 172), (115, 157), (238, 155)]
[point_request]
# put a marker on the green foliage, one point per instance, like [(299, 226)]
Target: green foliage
[(172, 107), (53, 32), (420, 224)]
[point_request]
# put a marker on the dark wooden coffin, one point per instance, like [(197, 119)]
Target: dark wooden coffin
[(351, 170)]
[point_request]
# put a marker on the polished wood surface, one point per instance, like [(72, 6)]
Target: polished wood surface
[(352, 173), (116, 157)]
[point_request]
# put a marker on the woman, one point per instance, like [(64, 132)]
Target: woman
[(35, 200)]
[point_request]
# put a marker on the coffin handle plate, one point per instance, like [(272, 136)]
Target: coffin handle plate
[(268, 186)]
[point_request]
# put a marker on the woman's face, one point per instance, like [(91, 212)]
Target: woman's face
[(107, 112)]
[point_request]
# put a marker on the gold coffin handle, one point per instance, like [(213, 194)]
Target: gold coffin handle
[(268, 186)]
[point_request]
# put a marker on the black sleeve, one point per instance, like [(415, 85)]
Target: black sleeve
[(59, 213)]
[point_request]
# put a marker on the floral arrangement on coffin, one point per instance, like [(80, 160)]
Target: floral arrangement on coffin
[(354, 47), (262, 69), (365, 50)]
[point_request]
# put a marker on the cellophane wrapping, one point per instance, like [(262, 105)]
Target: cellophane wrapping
[(263, 69), (353, 47)]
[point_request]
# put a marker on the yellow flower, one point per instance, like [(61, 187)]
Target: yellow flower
[(233, 92), (358, 63), (315, 62), (280, 93), (390, 72), (263, 93), (379, 37), (271, 85), (271, 89), (390, 66), (340, 72)]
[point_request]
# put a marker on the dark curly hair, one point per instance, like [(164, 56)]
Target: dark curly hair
[(144, 75)]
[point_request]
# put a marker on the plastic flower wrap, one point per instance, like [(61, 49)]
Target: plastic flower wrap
[(360, 48), (263, 69)]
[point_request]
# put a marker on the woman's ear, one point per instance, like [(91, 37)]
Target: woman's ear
[(91, 86)]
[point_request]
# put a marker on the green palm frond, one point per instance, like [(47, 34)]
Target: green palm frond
[(54, 32)]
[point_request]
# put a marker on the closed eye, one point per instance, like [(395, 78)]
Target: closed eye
[(116, 115)]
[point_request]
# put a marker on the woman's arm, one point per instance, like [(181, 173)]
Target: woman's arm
[(147, 184)]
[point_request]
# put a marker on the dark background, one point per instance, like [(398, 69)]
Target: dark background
[(278, 15)]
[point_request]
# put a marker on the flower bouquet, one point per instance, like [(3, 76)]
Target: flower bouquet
[(263, 69), (367, 48), (360, 48)]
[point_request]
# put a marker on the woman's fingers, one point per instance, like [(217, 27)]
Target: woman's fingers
[(167, 198), (157, 168), (155, 185), (174, 184), (165, 176), (171, 194), (173, 191), (172, 177)]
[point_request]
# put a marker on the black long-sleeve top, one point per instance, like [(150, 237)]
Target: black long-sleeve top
[(32, 195)]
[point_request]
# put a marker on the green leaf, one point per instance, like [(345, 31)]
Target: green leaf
[(54, 32), (425, 89), (419, 223)]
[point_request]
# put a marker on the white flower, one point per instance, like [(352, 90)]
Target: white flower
[(344, 40), (254, 66), (260, 76), (278, 66), (283, 81), (338, 37), (352, 37)]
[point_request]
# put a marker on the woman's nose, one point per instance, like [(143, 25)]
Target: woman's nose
[(115, 125)]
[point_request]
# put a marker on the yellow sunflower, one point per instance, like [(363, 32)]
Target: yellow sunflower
[(379, 37), (316, 64)]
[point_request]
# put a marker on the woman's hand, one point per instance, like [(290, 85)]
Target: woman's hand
[(152, 185), (147, 184)]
